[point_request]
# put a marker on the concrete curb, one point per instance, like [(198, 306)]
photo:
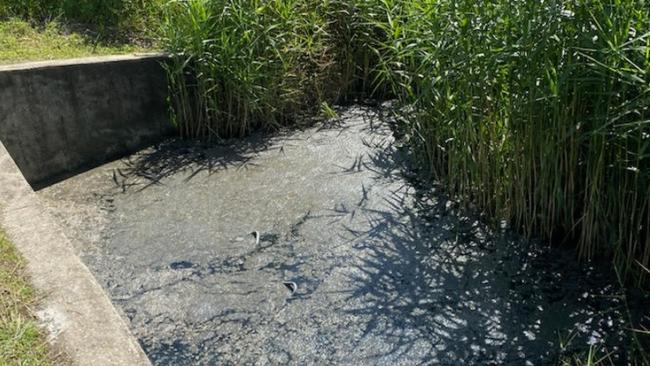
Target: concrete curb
[(80, 61), (79, 315)]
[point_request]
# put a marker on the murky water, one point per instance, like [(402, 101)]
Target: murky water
[(387, 273)]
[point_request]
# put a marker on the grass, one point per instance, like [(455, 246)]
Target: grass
[(108, 17), (34, 30), (20, 41), (21, 340)]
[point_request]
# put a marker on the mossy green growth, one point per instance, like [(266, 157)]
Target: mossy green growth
[(21, 340), (20, 41)]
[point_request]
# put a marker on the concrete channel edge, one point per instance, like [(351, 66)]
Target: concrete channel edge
[(80, 317)]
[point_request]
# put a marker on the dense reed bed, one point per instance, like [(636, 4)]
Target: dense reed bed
[(246, 64), (243, 64), (536, 111)]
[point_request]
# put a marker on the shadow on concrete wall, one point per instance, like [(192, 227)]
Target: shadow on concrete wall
[(63, 117)]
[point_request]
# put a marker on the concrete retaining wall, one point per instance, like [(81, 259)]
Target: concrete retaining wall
[(59, 118)]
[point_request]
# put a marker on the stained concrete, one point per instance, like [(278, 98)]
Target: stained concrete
[(388, 272), (60, 117), (81, 321)]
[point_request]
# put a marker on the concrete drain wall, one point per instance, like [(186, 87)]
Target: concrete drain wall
[(59, 118)]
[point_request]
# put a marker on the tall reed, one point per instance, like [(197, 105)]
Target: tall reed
[(537, 111), (244, 64)]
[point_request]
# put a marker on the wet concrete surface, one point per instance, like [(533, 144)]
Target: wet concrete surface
[(387, 273)]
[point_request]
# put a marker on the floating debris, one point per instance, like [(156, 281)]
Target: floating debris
[(292, 286)]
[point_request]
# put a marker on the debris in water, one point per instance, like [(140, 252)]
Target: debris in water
[(256, 234), (292, 286), (181, 265)]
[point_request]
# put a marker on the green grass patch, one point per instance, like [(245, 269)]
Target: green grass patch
[(121, 17), (21, 340), (20, 41)]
